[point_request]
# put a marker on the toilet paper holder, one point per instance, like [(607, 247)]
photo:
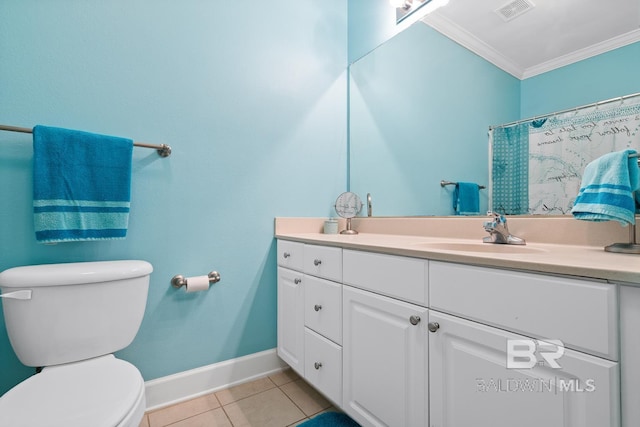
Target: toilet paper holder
[(179, 280)]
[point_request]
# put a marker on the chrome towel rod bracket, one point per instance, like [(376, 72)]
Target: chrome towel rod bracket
[(443, 183), (163, 150)]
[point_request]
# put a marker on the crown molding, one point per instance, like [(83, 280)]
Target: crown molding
[(582, 54), (482, 49), (466, 39)]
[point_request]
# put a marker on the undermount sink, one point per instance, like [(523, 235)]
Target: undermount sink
[(479, 247)]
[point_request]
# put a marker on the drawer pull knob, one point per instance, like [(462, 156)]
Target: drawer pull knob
[(286, 255), (414, 320), (433, 326), (297, 281), (317, 262), (317, 307), (317, 365)]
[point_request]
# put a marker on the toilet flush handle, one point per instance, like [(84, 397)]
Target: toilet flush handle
[(24, 294)]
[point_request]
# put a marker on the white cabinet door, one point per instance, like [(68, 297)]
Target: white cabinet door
[(384, 360), (470, 384), (291, 318)]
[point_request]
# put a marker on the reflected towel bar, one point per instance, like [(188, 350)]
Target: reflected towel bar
[(163, 150), (443, 183)]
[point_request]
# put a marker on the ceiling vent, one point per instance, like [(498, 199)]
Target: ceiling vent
[(514, 9)]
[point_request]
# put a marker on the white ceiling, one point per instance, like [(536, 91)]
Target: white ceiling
[(552, 34)]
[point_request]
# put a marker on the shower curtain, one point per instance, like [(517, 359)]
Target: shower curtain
[(537, 164)]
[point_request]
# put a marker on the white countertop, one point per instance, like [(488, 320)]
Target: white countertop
[(574, 260)]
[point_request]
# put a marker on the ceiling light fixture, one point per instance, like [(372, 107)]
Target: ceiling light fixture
[(404, 8), (403, 4)]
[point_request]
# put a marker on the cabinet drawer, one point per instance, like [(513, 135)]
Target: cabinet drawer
[(323, 365), (322, 261), (395, 276), (580, 313), (323, 307), (290, 254)]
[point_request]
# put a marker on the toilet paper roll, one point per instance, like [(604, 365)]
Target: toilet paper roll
[(197, 283)]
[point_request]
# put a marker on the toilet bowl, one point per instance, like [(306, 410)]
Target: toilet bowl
[(100, 392), (69, 322)]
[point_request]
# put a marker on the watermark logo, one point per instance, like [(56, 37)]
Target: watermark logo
[(553, 385), (526, 353)]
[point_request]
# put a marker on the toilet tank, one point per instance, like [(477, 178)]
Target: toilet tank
[(76, 311)]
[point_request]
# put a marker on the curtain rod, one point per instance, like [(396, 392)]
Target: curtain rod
[(595, 104), (163, 150)]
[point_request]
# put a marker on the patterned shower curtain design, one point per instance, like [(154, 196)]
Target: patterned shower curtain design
[(510, 169), (538, 165)]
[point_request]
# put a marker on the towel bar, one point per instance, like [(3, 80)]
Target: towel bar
[(163, 150), (443, 183)]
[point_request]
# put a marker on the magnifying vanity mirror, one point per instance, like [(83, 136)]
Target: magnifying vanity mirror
[(348, 205), (421, 104)]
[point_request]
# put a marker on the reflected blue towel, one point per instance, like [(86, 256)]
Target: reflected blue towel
[(81, 185), (606, 192), (466, 199)]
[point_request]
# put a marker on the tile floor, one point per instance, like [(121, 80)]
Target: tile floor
[(279, 400)]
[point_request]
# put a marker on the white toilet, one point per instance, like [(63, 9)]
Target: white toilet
[(69, 318)]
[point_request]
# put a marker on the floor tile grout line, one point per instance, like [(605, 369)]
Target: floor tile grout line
[(191, 415), (305, 416), (270, 381), (294, 403), (249, 396), (227, 415), (308, 417)]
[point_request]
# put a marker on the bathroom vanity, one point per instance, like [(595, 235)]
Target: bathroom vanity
[(418, 330)]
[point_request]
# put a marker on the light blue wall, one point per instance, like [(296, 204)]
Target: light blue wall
[(605, 76), (420, 107), (253, 101), (371, 23)]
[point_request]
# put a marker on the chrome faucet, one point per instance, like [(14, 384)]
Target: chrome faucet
[(499, 233)]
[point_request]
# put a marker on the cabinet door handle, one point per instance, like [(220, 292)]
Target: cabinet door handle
[(317, 365), (286, 255), (414, 320), (317, 307), (433, 326), (297, 281), (317, 262)]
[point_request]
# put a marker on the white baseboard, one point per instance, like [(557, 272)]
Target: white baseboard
[(208, 379)]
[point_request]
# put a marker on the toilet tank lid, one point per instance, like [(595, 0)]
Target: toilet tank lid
[(74, 273)]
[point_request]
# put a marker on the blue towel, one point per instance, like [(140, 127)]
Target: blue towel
[(81, 185), (466, 199), (606, 192), (330, 419)]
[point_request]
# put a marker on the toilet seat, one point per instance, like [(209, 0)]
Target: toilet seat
[(101, 392)]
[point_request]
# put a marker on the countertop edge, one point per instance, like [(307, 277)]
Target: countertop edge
[(586, 262)]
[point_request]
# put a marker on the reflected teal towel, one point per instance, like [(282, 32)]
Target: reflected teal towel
[(81, 185), (606, 192), (466, 198)]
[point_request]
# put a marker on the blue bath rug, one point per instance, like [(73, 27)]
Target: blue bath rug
[(330, 419)]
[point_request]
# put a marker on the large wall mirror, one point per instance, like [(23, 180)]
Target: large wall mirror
[(421, 104)]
